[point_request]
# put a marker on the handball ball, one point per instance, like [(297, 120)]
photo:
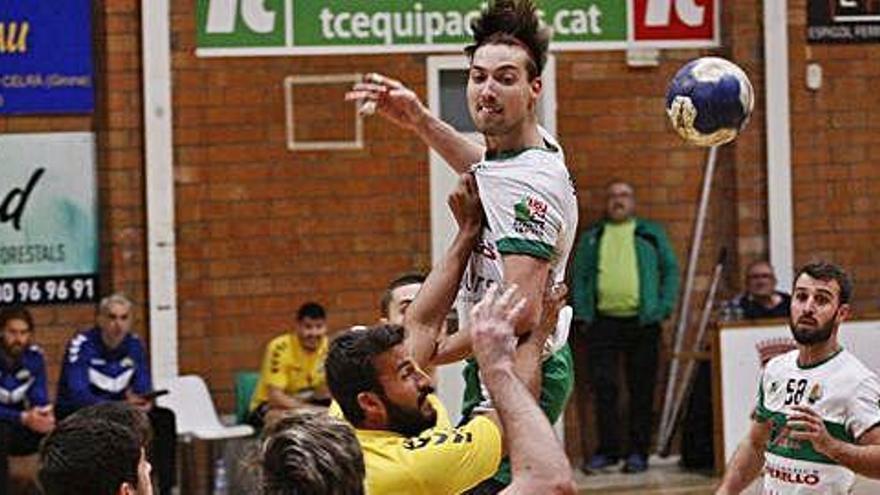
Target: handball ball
[(709, 101)]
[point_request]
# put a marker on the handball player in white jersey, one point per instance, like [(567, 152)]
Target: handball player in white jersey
[(817, 418), (524, 186)]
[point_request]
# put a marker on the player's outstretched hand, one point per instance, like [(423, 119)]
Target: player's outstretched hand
[(389, 98), (494, 341), (806, 425), (465, 204)]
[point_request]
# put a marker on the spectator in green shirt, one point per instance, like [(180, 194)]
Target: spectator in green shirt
[(624, 284)]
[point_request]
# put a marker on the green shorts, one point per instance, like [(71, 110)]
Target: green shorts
[(557, 382)]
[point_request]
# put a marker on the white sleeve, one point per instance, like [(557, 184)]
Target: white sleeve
[(524, 212), (865, 408)]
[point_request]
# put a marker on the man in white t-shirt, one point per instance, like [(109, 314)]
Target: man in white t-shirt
[(817, 419), (524, 185)]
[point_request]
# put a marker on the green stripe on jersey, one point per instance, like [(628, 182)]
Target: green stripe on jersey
[(538, 249), (797, 449)]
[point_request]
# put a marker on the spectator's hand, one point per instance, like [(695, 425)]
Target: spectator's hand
[(39, 419), (465, 204), (806, 425), (138, 401), (390, 99), (494, 341)]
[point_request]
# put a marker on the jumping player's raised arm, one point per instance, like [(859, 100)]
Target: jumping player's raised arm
[(400, 105), (426, 314)]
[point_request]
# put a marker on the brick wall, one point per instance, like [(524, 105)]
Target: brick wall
[(116, 123), (262, 229), (835, 142)]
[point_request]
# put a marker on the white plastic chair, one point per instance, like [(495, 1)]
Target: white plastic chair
[(189, 398)]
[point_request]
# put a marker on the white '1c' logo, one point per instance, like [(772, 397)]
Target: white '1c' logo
[(222, 14), (659, 11)]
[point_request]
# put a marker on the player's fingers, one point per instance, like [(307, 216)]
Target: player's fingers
[(516, 310), (800, 426), (376, 78), (799, 435), (503, 303), (806, 411), (555, 296), (361, 95), (470, 183), (376, 88), (802, 417), (485, 307)]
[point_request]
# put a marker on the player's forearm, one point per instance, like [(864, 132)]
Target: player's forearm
[(453, 348), (537, 460), (277, 399), (426, 314), (527, 364), (862, 459), (745, 466), (458, 151)]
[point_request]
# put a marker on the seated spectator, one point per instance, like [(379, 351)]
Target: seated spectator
[(25, 413), (761, 299), (93, 456), (311, 452), (108, 363), (292, 375)]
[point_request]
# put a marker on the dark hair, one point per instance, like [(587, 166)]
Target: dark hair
[(825, 271), (16, 313), (311, 310), (350, 366), (88, 456), (311, 453), (512, 22), (405, 279), (122, 413)]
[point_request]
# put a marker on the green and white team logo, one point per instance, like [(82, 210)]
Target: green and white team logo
[(530, 216)]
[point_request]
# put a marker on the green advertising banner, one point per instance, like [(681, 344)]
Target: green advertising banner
[(48, 219), (304, 27)]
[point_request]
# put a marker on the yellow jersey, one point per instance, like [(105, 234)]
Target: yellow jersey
[(287, 366), (441, 461)]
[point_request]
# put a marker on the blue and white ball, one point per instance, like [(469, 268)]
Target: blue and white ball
[(709, 101)]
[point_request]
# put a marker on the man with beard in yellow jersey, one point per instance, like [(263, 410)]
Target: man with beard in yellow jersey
[(407, 447)]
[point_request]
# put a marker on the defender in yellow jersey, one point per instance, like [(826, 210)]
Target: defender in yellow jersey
[(292, 374), (409, 447), (407, 444)]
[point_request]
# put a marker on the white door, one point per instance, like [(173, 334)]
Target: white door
[(447, 85)]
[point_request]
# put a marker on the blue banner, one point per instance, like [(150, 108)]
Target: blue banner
[(46, 57)]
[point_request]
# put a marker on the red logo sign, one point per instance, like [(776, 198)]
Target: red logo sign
[(675, 19)]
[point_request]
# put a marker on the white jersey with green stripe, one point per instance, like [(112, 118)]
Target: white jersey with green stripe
[(531, 208), (844, 392)]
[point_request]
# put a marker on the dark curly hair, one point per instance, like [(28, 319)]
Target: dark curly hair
[(88, 456), (513, 22), (350, 368)]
